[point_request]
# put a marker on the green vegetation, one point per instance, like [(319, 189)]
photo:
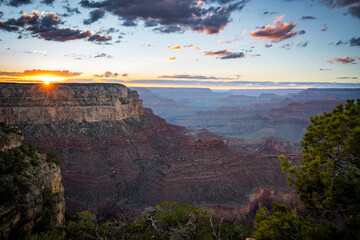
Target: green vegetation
[(52, 157), (328, 181)]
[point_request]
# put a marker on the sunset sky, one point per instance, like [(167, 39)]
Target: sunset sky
[(221, 44)]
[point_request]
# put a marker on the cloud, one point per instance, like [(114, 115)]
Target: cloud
[(339, 3), (225, 54), (268, 45), (168, 29), (45, 26), (344, 60), (187, 76), (38, 72), (355, 10), (355, 42), (48, 2), (172, 16), (103, 55), (171, 58), (174, 47), (303, 44), (219, 53), (347, 78), (107, 74), (41, 52), (94, 16), (308, 18), (16, 3), (278, 32), (234, 56), (325, 69), (99, 38), (324, 29), (70, 10), (235, 39)]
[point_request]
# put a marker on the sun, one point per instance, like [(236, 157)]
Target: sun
[(48, 79)]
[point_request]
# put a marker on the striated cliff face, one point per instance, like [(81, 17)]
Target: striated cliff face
[(116, 165), (42, 104), (31, 195)]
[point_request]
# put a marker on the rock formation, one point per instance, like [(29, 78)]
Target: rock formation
[(118, 157), (31, 193)]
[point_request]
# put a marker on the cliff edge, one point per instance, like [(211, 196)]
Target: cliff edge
[(31, 193)]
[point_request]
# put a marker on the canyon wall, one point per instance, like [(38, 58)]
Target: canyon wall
[(119, 158), (31, 193)]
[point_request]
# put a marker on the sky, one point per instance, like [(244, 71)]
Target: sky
[(220, 44)]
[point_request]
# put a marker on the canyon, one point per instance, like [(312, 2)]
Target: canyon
[(117, 157)]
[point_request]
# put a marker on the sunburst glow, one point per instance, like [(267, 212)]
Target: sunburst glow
[(48, 79)]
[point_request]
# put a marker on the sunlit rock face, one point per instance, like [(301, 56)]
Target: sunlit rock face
[(45, 104), (119, 158)]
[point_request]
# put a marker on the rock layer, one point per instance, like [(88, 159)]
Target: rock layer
[(116, 165)]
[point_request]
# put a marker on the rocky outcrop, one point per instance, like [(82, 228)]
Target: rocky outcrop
[(31, 195), (120, 165), (42, 104)]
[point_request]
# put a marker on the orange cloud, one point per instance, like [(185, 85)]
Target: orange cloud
[(171, 58), (174, 47), (39, 72), (345, 60), (279, 31), (197, 48)]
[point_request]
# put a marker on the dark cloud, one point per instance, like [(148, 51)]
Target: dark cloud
[(129, 23), (37, 72), (339, 43), (340, 3), (278, 32), (347, 78), (234, 56), (302, 44), (268, 45), (355, 10), (99, 38), (324, 29), (301, 32), (16, 3), (325, 69), (111, 30), (70, 10), (1, 14), (168, 29), (103, 55), (173, 16), (355, 42), (94, 16), (308, 18), (269, 13), (109, 74), (48, 2), (46, 27), (225, 54)]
